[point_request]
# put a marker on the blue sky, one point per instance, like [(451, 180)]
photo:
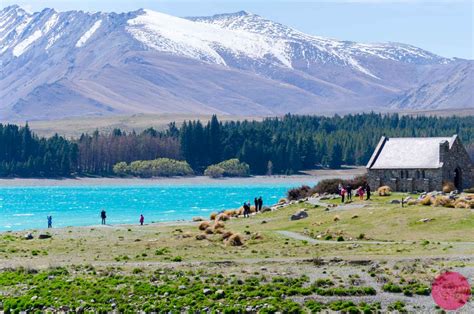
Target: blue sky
[(445, 27)]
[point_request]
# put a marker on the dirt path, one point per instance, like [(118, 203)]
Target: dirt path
[(299, 236)]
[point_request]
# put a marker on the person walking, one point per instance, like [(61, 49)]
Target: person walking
[(246, 209), (142, 220), (349, 192), (260, 203), (50, 221), (255, 201), (103, 215), (367, 190)]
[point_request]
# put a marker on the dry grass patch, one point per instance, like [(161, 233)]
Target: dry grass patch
[(384, 191), (426, 201), (204, 225), (236, 240), (443, 201), (448, 187)]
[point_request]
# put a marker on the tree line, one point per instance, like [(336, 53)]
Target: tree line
[(283, 145)]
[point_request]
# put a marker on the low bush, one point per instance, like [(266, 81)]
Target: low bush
[(330, 186), (161, 167), (214, 171), (228, 168)]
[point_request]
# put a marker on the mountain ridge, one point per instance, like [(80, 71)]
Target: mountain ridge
[(74, 63)]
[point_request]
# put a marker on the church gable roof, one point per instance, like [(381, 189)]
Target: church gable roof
[(409, 153)]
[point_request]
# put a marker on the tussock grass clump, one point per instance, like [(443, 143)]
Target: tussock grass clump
[(204, 225), (213, 216), (336, 218), (426, 201), (219, 225), (227, 234), (463, 203), (443, 201), (201, 237), (384, 191), (222, 217), (209, 231), (412, 202), (448, 187), (230, 213), (236, 240)]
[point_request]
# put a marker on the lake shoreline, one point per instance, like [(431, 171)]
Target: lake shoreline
[(309, 176)]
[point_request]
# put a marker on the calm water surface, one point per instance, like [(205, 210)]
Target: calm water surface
[(27, 207)]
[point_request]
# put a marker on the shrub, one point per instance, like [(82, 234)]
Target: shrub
[(384, 191), (204, 225), (299, 193), (161, 167), (214, 171), (121, 169), (448, 187), (177, 259), (228, 168), (328, 186), (235, 240)]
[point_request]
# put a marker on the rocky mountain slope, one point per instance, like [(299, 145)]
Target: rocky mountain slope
[(59, 64)]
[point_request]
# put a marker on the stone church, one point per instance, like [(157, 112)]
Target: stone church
[(420, 164)]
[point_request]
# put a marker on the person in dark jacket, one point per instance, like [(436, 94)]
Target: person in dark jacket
[(255, 201), (246, 209), (142, 219), (260, 203), (103, 215), (349, 192), (367, 191), (50, 221)]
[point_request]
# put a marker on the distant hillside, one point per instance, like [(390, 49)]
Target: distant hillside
[(63, 64)]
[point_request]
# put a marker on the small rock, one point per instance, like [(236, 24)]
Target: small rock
[(28, 236), (44, 236), (354, 217), (299, 215), (182, 287), (264, 222), (220, 293), (395, 202), (33, 298), (266, 209), (206, 291), (198, 219), (425, 220)]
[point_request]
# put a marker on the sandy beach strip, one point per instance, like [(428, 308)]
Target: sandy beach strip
[(312, 177)]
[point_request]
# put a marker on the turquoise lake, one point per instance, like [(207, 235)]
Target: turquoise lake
[(27, 207)]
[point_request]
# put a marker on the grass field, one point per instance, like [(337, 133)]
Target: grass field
[(363, 249)]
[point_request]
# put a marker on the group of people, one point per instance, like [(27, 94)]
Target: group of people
[(258, 206), (346, 192), (103, 216)]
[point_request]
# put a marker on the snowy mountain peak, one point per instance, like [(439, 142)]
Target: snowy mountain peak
[(101, 63)]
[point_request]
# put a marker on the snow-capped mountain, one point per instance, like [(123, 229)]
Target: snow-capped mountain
[(56, 64)]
